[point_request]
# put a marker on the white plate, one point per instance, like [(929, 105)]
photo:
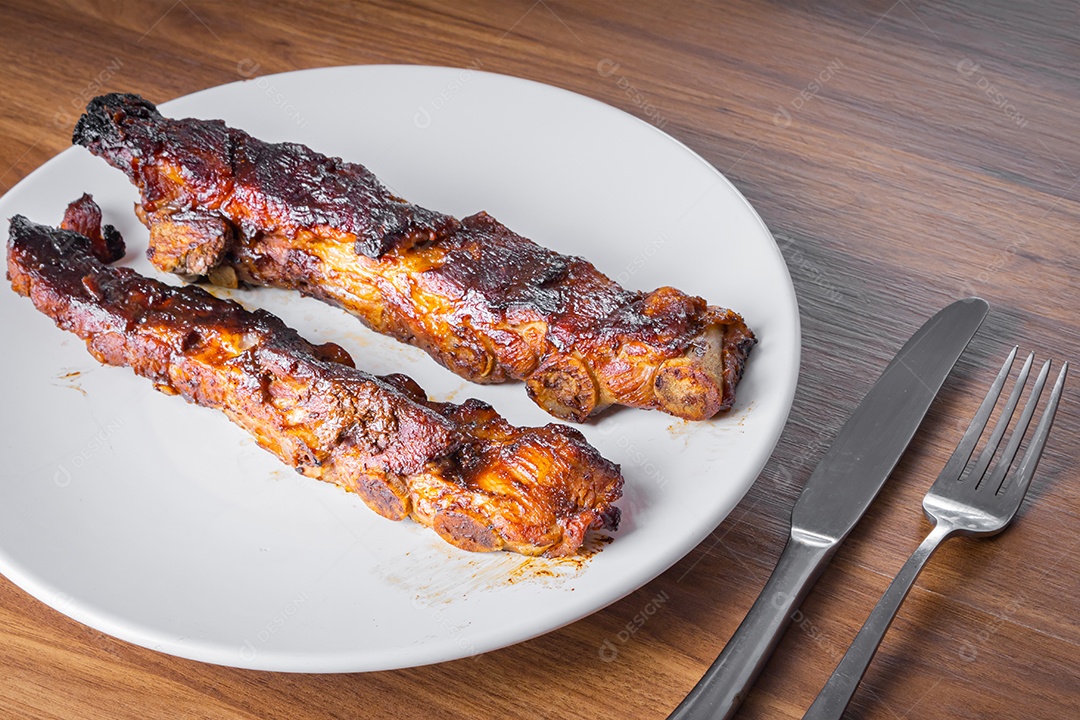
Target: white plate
[(163, 524)]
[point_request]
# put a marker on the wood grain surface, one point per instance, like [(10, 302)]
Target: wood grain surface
[(904, 153)]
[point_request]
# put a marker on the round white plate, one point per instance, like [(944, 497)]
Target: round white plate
[(163, 524)]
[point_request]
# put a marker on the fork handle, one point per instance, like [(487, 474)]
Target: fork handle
[(838, 691)]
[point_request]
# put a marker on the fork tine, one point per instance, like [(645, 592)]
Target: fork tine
[(963, 451), (1030, 460), (978, 470), (997, 477)]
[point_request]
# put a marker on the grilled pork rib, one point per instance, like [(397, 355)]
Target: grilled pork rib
[(480, 482), (485, 302)]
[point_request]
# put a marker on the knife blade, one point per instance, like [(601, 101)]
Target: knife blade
[(835, 496)]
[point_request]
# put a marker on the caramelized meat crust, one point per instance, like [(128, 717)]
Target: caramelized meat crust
[(286, 186), (485, 302), (480, 482)]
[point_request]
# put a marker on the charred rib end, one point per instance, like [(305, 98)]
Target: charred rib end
[(101, 129), (83, 216), (702, 382)]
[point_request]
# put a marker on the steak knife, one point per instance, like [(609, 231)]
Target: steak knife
[(837, 494)]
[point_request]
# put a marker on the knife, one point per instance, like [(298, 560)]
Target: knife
[(837, 494)]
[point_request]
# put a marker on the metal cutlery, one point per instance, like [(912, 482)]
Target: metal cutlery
[(979, 502), (837, 494)]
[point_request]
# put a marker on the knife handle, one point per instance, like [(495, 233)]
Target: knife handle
[(720, 692)]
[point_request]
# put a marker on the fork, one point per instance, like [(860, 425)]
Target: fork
[(972, 503)]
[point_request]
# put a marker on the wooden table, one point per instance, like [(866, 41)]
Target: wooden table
[(903, 153)]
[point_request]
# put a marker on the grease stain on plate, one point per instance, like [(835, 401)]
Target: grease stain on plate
[(715, 427), (453, 394), (443, 574), (69, 379)]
